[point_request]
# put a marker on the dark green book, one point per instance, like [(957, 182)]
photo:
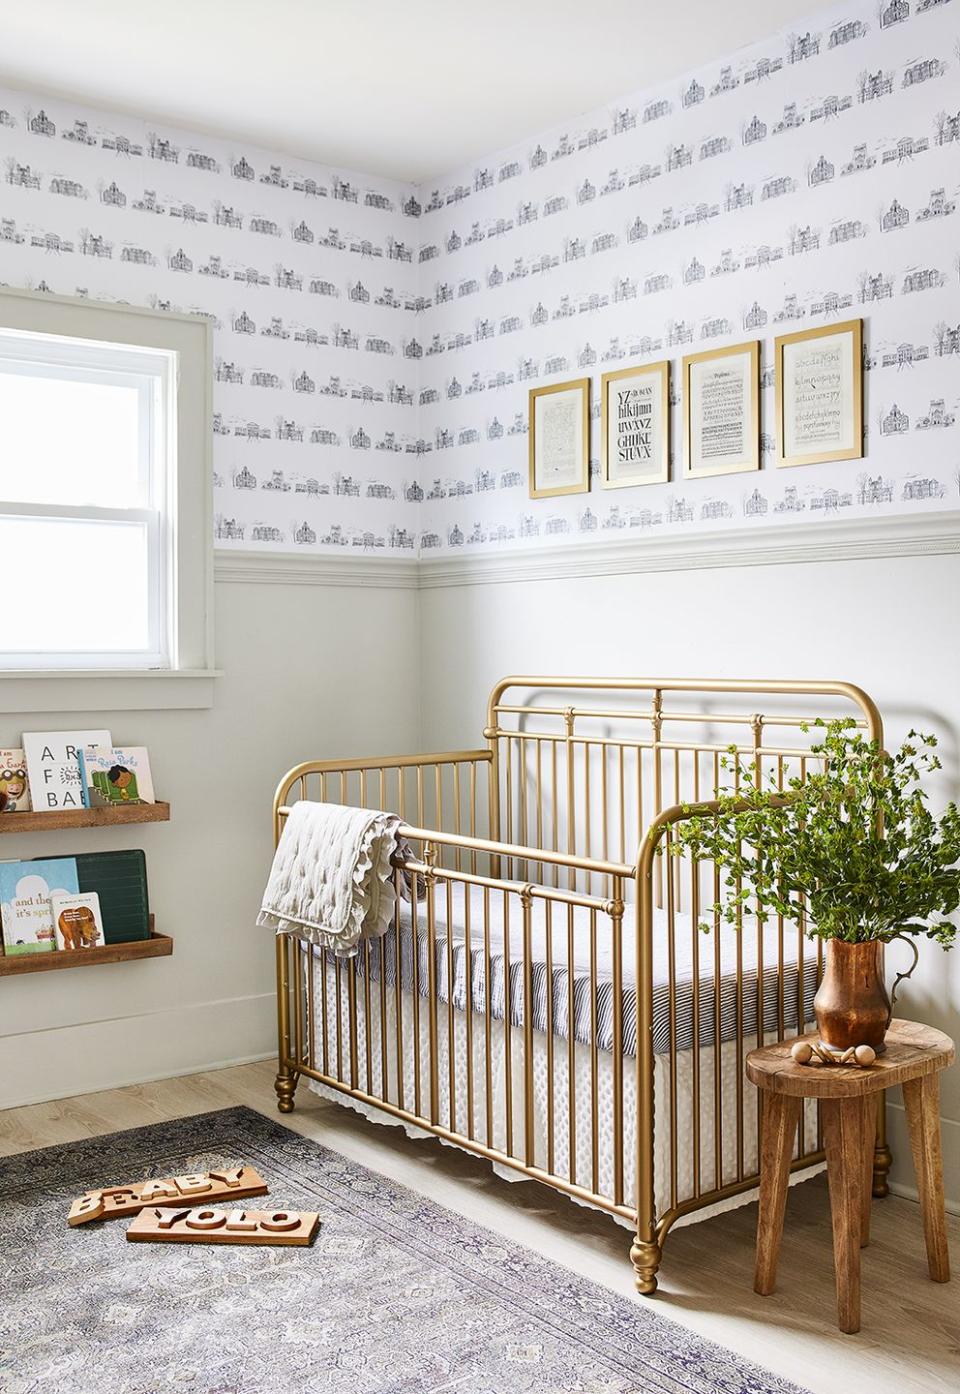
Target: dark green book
[(120, 880)]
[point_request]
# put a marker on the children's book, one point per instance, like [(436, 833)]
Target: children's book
[(112, 776), (77, 921), (14, 785), (53, 764), (25, 910)]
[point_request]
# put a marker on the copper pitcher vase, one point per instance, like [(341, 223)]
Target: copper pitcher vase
[(852, 1006)]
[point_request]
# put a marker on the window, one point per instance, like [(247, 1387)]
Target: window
[(87, 493), (104, 487)]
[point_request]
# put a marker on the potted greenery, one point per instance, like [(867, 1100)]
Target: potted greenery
[(852, 853)]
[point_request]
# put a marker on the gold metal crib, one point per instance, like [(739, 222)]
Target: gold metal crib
[(612, 1068)]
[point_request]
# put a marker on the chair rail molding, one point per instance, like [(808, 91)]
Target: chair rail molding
[(316, 569), (905, 535)]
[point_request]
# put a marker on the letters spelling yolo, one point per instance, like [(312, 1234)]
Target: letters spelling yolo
[(113, 1202), (208, 1225)]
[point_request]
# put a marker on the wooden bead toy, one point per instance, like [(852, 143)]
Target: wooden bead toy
[(816, 1055)]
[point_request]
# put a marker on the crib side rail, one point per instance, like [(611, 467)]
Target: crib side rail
[(447, 788), (482, 1035), (448, 797)]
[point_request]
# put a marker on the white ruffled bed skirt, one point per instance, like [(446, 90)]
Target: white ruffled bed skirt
[(454, 1113)]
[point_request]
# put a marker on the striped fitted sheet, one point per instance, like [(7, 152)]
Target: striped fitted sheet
[(672, 1030)]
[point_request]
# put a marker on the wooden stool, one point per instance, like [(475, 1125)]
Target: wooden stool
[(848, 1102)]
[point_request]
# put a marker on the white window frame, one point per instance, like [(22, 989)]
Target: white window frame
[(181, 583)]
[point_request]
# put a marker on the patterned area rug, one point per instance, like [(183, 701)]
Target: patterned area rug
[(397, 1296)]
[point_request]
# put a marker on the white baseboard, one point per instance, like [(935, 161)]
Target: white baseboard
[(86, 1057), (143, 1079), (902, 1179)]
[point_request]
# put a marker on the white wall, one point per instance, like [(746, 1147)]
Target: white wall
[(289, 655), (888, 625)]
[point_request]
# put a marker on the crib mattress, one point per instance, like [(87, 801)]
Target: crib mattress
[(702, 968)]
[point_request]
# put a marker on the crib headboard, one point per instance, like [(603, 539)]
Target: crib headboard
[(584, 765)]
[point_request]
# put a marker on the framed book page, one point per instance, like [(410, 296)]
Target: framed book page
[(819, 380), (721, 411), (635, 426), (560, 439)]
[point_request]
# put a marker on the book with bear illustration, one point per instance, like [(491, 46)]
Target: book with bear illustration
[(77, 921)]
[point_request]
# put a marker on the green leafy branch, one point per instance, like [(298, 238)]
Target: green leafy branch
[(851, 850)]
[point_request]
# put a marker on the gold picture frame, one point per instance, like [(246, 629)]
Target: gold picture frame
[(747, 458), (568, 471), (844, 419), (657, 432)]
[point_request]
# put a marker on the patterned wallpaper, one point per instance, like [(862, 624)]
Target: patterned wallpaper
[(815, 177), (308, 274), (375, 344)]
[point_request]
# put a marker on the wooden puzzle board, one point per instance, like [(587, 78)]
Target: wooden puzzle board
[(209, 1225), (115, 1202)]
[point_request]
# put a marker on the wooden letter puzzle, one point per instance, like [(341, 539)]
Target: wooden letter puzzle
[(208, 1225), (113, 1202)]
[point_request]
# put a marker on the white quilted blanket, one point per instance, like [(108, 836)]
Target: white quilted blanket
[(331, 882)]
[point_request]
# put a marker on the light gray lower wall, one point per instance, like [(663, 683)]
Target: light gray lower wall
[(887, 624), (325, 670), (309, 671)]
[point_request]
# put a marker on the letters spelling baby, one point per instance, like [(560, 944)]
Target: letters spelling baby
[(113, 1202)]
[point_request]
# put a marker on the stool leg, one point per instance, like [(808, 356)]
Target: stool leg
[(842, 1137), (780, 1116), (921, 1099), (869, 1126)]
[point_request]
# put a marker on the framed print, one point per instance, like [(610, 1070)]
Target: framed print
[(560, 439), (635, 426), (819, 378), (721, 411)]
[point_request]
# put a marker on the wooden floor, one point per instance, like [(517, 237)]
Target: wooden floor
[(910, 1340)]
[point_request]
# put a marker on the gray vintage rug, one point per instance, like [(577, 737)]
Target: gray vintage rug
[(397, 1296)]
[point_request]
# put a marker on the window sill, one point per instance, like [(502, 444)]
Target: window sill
[(107, 689)]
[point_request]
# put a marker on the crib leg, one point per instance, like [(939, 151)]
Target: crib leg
[(286, 1081), (645, 1256), (286, 1086), (882, 1156)]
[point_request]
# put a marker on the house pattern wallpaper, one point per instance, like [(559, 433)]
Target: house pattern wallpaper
[(308, 274), (375, 343), (814, 178)]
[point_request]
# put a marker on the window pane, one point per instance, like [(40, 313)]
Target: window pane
[(69, 439), (75, 586)]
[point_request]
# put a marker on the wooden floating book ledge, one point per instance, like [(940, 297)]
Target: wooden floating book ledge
[(38, 822), (157, 946)]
